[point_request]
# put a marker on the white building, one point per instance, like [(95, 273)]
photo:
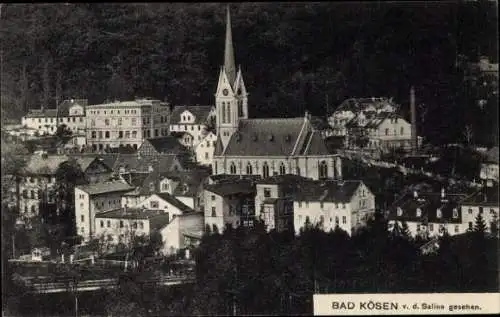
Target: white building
[(70, 113), (193, 120), (346, 204), (126, 123), (229, 203), (93, 199), (489, 167), (484, 202), (205, 149), (428, 214)]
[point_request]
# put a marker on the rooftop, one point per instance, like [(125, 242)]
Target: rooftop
[(105, 187), (200, 113), (485, 197), (44, 164), (125, 104), (328, 190), (241, 186)]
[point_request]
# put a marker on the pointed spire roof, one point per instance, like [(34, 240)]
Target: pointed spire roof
[(229, 64)]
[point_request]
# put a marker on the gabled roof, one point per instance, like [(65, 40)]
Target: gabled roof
[(85, 161), (330, 191), (359, 104), (265, 137), (219, 148), (167, 144), (200, 113), (41, 113), (428, 203), (105, 187), (141, 163), (241, 186), (63, 107), (44, 165), (175, 202), (130, 213), (485, 197)]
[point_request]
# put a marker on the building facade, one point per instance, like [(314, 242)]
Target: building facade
[(205, 149), (193, 120), (484, 202), (126, 124)]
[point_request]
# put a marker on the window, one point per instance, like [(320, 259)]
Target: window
[(336, 220), (107, 134), (481, 210), (344, 219), (213, 197), (232, 168), (249, 169), (134, 225), (240, 108), (127, 134), (321, 205), (282, 169), (228, 112), (431, 227), (470, 225), (81, 119), (418, 227), (154, 204), (119, 121), (206, 155), (455, 213), (400, 211), (102, 223), (300, 204), (438, 213), (82, 218), (213, 212), (267, 192), (213, 143), (100, 134), (141, 225), (134, 134), (134, 121), (456, 228), (401, 131), (386, 131), (419, 212), (120, 134), (108, 224), (106, 121), (265, 170), (33, 209), (470, 211), (121, 223), (32, 194), (343, 206), (94, 134), (323, 170)]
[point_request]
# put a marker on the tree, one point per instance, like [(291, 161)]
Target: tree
[(479, 225), (468, 134), (47, 95), (63, 133)]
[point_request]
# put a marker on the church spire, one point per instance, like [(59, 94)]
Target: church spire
[(229, 64)]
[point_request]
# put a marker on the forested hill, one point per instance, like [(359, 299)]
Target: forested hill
[(292, 54)]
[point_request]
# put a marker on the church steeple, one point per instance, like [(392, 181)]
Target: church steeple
[(229, 64)]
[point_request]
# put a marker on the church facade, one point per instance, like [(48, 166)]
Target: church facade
[(264, 146)]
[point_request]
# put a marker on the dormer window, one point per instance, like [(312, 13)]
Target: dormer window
[(400, 211), (419, 212), (150, 168), (151, 187), (438, 213)]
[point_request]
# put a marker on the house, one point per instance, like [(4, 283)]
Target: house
[(76, 143), (192, 120), (274, 200), (72, 113), (331, 204), (229, 203), (122, 224), (264, 146), (132, 163), (489, 167), (93, 199), (484, 202), (165, 202), (164, 145), (428, 214), (94, 168), (205, 149), (351, 107)]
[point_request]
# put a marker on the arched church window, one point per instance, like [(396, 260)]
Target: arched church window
[(249, 169), (223, 112), (265, 170), (232, 168), (228, 112), (240, 108), (282, 169), (323, 170)]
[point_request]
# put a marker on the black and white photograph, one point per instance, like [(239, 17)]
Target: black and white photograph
[(249, 158)]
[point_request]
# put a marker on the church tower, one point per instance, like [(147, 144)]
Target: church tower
[(231, 97)]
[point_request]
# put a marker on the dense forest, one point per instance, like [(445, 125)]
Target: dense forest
[(294, 56)]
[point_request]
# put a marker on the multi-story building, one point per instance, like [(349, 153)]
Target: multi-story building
[(428, 214), (274, 200), (193, 120), (484, 202), (93, 199), (489, 167), (205, 149), (264, 146), (229, 204), (347, 205), (70, 113), (126, 124)]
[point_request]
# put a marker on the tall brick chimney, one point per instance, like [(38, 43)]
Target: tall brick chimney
[(414, 141)]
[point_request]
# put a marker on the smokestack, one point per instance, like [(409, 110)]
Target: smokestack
[(414, 141)]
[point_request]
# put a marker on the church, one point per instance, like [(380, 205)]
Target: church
[(264, 146)]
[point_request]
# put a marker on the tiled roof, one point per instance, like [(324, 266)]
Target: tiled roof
[(85, 161), (44, 165), (359, 104), (219, 148), (136, 163), (189, 182), (124, 104), (331, 191), (281, 179), (130, 213), (63, 107), (158, 222), (232, 188), (224, 178), (167, 144), (136, 179), (485, 197), (175, 202), (428, 203), (105, 187), (265, 137), (199, 112), (41, 113)]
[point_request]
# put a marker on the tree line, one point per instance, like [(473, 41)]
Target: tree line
[(299, 56)]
